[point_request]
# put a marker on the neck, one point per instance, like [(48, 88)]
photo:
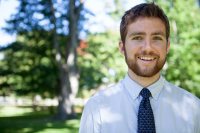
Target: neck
[(143, 81)]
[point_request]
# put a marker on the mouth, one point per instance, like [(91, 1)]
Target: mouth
[(146, 58)]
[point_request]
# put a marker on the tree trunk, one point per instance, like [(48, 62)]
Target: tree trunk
[(65, 107), (71, 53), (68, 71)]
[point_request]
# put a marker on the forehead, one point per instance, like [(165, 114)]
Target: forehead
[(147, 25)]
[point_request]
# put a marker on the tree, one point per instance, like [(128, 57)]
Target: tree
[(101, 62), (61, 19), (25, 61)]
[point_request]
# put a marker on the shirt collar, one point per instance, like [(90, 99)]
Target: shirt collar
[(134, 88), (156, 87)]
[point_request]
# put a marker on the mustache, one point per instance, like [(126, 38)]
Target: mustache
[(144, 53)]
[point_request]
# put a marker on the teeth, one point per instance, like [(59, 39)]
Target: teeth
[(146, 58)]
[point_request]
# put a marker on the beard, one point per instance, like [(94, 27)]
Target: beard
[(147, 71)]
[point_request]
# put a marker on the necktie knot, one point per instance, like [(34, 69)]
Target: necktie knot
[(145, 93)]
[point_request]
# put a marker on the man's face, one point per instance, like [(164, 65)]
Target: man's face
[(146, 46)]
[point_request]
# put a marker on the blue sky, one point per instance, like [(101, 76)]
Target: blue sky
[(7, 7)]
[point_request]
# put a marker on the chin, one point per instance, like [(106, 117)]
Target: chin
[(146, 73)]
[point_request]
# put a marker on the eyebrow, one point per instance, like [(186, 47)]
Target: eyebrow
[(143, 33), (137, 33), (159, 33)]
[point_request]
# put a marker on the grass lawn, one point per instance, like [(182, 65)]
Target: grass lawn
[(25, 120)]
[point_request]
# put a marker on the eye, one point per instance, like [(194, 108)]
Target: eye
[(157, 38), (137, 38)]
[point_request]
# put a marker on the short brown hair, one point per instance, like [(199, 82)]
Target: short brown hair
[(143, 10)]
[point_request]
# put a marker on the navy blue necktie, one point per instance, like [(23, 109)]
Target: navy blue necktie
[(146, 122)]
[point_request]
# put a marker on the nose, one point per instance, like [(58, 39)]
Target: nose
[(147, 46)]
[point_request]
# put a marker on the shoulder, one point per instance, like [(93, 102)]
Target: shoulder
[(106, 94), (107, 97), (183, 102), (182, 96), (92, 113)]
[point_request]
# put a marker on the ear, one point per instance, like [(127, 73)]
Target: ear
[(168, 45), (121, 47)]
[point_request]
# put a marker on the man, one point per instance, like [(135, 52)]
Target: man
[(143, 102)]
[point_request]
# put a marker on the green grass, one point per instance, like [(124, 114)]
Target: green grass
[(25, 120)]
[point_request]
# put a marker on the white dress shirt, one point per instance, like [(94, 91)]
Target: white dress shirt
[(115, 109)]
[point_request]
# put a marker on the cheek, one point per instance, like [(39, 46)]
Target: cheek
[(163, 52), (131, 50), (161, 49), (131, 46)]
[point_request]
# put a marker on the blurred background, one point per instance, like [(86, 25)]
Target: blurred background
[(55, 54)]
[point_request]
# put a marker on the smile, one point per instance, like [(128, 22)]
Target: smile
[(147, 58)]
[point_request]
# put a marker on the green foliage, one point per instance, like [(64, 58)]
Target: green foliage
[(102, 62), (28, 66)]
